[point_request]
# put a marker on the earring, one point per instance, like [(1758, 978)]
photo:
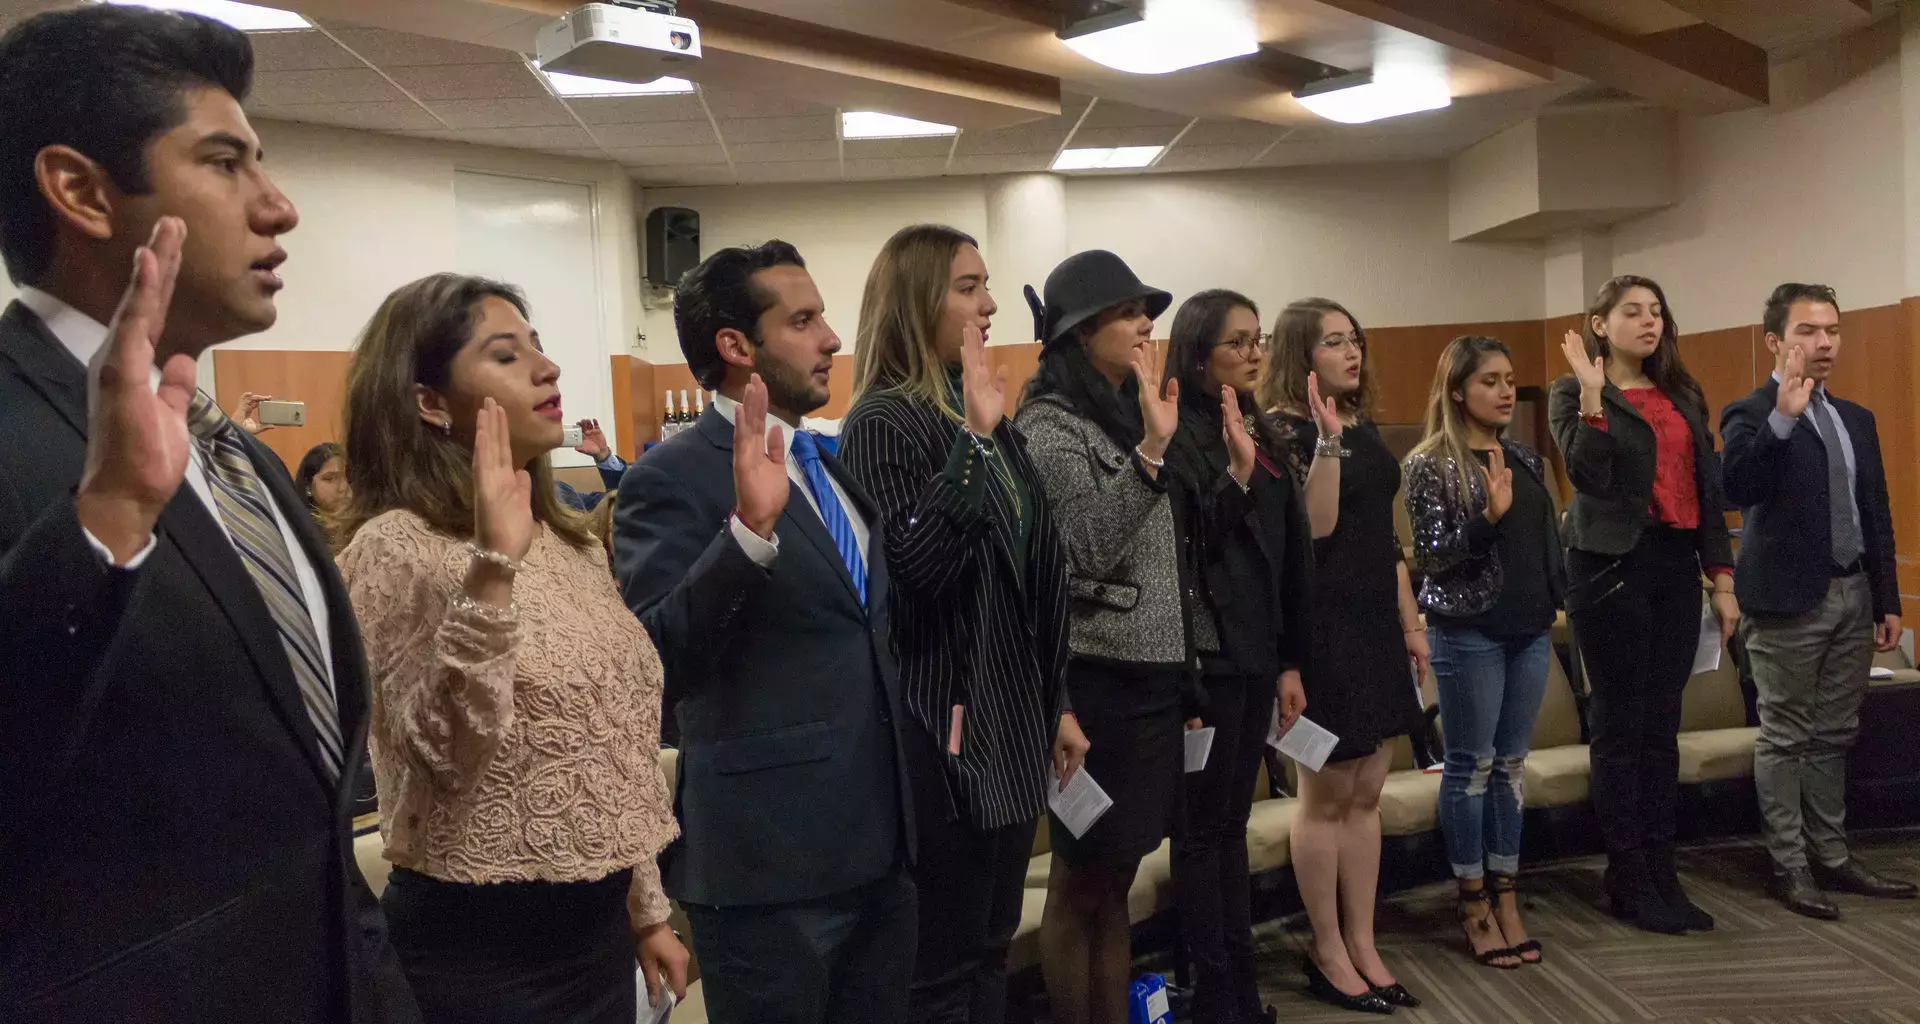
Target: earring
[(446, 427)]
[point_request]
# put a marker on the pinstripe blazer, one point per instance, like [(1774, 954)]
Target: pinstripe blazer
[(970, 628)]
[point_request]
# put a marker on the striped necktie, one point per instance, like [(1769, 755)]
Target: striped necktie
[(246, 509), (806, 451)]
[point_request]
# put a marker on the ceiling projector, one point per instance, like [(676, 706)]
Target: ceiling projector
[(624, 41)]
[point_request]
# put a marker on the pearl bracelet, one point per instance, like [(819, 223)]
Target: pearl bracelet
[(1148, 459), (492, 557)]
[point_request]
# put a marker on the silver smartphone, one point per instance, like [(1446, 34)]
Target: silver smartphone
[(571, 436), (282, 414)]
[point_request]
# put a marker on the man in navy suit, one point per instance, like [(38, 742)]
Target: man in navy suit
[(1816, 581), (760, 571)]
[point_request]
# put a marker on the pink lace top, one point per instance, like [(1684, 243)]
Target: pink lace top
[(510, 747)]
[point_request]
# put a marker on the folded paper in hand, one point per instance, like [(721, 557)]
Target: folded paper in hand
[(1079, 804), (1199, 743), (1305, 742), (652, 1013)]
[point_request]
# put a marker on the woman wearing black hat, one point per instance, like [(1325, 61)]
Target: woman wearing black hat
[(1097, 430)]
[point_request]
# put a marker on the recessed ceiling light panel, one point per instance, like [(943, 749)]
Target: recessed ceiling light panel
[(1359, 98), (1167, 36), (1115, 158), (871, 124)]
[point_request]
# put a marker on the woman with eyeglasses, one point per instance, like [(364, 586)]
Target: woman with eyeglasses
[(1252, 578), (1367, 645)]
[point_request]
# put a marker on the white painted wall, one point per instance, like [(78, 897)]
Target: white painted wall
[(1815, 192)]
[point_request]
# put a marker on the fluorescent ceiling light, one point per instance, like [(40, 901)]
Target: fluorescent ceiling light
[(1357, 99), (1113, 159), (581, 86), (246, 17), (869, 124), (1168, 36)]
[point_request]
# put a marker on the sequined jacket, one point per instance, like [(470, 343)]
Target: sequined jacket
[(1456, 550)]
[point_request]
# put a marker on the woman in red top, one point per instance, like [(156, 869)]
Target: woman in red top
[(1645, 524)]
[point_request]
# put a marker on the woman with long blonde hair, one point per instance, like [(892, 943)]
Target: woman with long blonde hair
[(1361, 670), (1485, 545), (981, 622), (516, 701)]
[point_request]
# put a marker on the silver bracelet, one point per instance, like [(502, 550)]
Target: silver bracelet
[(467, 604), (1329, 446), (492, 557), (1148, 459)]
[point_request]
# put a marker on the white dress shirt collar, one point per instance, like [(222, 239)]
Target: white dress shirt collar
[(81, 334)]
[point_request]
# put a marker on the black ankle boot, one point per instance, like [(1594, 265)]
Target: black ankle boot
[(1632, 897), (1666, 882)]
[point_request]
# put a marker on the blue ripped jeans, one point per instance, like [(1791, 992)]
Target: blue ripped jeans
[(1490, 691)]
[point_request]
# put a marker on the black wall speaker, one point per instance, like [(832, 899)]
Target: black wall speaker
[(673, 244)]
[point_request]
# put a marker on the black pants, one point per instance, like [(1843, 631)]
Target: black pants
[(845, 959), (1637, 620), (514, 952), (1210, 850), (970, 885)]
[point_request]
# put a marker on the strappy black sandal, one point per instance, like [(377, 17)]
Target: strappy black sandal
[(1499, 883), (1469, 925)]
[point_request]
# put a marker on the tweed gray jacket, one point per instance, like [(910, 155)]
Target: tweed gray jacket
[(1123, 570)]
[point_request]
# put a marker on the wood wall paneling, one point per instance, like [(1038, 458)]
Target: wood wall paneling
[(1723, 362), (1404, 360), (316, 378), (623, 418)]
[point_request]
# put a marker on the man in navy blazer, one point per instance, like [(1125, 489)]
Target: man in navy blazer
[(760, 571), (1816, 581)]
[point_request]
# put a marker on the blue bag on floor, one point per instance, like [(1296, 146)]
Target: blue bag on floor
[(1148, 1004)]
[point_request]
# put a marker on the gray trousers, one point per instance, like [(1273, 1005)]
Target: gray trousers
[(1811, 674)]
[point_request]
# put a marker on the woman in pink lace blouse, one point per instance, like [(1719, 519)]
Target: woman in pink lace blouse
[(516, 703)]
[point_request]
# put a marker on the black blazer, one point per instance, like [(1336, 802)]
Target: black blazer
[(1786, 544), (173, 851), (1253, 549), (1612, 472), (973, 628), (791, 782)]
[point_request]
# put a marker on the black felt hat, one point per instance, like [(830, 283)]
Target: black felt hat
[(1083, 285)]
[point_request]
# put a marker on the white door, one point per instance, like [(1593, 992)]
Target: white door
[(539, 236)]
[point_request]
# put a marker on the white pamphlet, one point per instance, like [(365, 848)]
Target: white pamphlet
[(1304, 741), (1080, 803), (1876, 672), (1199, 742), (1706, 656), (652, 1013)]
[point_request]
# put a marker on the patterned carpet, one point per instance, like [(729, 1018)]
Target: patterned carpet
[(1762, 964)]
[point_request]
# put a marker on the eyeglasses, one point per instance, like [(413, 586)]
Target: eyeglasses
[(1343, 340), (1250, 344)]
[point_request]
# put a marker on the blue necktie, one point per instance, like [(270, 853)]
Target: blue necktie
[(806, 449)]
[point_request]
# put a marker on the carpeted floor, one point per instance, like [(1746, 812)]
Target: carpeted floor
[(1762, 964)]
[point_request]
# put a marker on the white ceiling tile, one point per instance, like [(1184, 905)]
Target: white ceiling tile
[(1094, 138), (638, 109), (378, 117), (692, 174), (1000, 163), (299, 51), (664, 156), (909, 168), (663, 133), (405, 50), (1207, 158), (735, 103), (899, 149), (523, 113), (775, 152), (550, 137), (1108, 114), (1044, 137), (1231, 133), (796, 170), (777, 129), (470, 82), (283, 88)]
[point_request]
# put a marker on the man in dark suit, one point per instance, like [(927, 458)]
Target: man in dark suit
[(1816, 581), (182, 694), (761, 573)]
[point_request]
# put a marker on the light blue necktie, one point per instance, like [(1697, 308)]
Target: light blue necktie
[(806, 449)]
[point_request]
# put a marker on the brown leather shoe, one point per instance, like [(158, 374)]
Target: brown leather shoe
[(1854, 877), (1795, 888)]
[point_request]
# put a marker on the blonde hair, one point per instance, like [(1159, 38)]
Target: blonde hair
[(1446, 426), (1283, 382), (906, 295)]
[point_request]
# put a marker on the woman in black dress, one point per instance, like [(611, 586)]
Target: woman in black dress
[(1367, 629)]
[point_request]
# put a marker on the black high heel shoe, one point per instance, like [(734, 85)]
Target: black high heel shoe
[(1320, 988), (1501, 884), (1395, 993)]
